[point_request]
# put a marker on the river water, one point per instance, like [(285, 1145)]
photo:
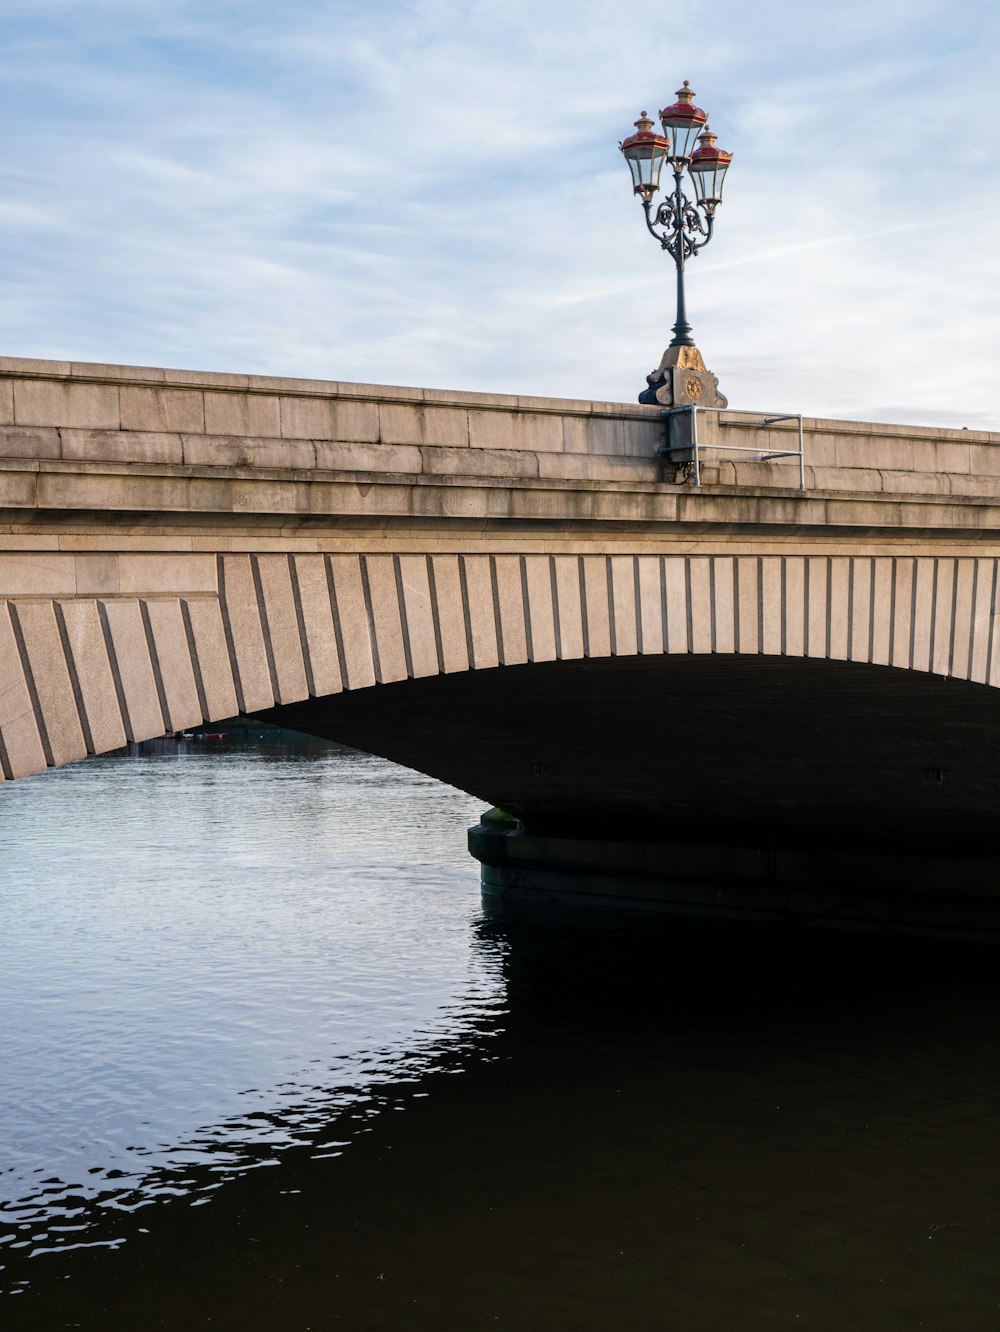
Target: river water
[(265, 1063)]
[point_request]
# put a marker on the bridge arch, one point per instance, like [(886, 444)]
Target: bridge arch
[(85, 674)]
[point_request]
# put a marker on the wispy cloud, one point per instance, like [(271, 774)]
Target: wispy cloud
[(432, 194)]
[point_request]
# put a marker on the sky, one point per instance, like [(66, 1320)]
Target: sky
[(432, 194)]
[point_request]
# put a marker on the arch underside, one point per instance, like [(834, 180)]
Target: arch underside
[(689, 683)]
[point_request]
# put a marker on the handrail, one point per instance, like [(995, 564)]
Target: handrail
[(694, 447)]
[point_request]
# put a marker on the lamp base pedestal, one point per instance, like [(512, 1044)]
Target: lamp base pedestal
[(682, 380)]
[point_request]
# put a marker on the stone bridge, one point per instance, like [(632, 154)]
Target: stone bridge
[(663, 684)]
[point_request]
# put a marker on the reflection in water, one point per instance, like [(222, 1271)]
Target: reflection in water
[(209, 954), (259, 1000)]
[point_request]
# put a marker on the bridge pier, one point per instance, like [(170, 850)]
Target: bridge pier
[(946, 892)]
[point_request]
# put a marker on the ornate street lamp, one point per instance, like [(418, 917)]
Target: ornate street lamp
[(683, 228)]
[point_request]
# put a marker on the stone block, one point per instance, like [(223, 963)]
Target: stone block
[(451, 612), (609, 436), (418, 424), (96, 575), (47, 402), (6, 402), (63, 737), (21, 442), (382, 600), (782, 475), (180, 574), (245, 632), (210, 658), (481, 622), (569, 609), (916, 483), (954, 458), (308, 418), (418, 614), (984, 459), (179, 694), (38, 574), (19, 490), (132, 667), (624, 611), (511, 609), (597, 608), (367, 458), (352, 620), (100, 713), (247, 451), (846, 478), (291, 384), (162, 410), (699, 576), (891, 452), (382, 392), (121, 446), (206, 379), (256, 414), (595, 467), (464, 398), (528, 403), (724, 613), (277, 595), (479, 462), (356, 422), (515, 430), (111, 491), (99, 370), (973, 486), (22, 752), (15, 366), (312, 590)]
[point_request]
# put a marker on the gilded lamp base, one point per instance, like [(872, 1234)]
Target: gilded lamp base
[(681, 380)]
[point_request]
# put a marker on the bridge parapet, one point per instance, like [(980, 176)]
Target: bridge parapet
[(57, 416)]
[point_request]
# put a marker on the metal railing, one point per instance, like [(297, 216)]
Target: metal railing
[(694, 447)]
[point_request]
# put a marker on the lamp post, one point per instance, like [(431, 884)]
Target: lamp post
[(683, 228)]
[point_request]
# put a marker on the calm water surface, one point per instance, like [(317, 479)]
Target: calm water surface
[(264, 1063)]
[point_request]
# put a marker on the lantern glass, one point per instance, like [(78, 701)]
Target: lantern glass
[(707, 177), (683, 132), (645, 161)]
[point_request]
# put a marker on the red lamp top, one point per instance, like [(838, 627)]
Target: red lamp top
[(683, 112), (706, 155), (644, 137)]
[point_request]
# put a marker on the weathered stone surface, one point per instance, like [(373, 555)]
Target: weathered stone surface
[(21, 752), (100, 714), (47, 668), (248, 451), (418, 611), (26, 442), (281, 626), (118, 446), (351, 619), (256, 414), (444, 426), (37, 574), (53, 403), (170, 653), (341, 457), (210, 658), (132, 667), (372, 533), (162, 410), (245, 634)]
